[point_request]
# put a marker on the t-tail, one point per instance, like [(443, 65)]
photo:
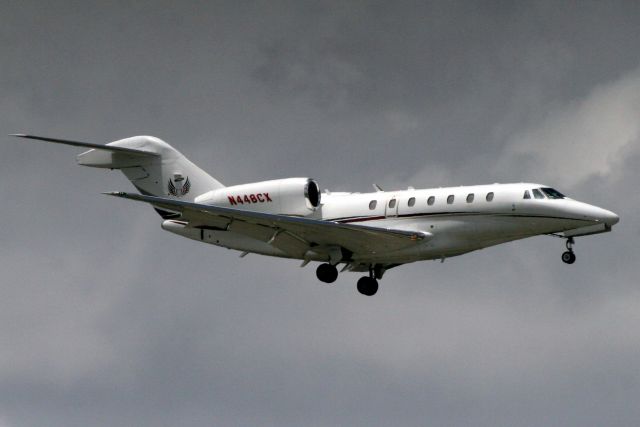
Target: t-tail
[(154, 167)]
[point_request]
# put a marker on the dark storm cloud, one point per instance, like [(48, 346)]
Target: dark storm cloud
[(107, 320)]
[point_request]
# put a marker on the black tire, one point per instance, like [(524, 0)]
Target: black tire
[(367, 286), (568, 257), (327, 273)]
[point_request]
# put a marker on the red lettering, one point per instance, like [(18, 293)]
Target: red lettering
[(249, 198)]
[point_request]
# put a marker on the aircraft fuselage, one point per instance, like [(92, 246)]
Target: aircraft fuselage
[(461, 219)]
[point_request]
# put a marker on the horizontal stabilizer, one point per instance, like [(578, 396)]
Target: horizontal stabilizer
[(112, 148)]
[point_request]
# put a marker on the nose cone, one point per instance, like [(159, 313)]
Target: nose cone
[(609, 217), (592, 213), (603, 216)]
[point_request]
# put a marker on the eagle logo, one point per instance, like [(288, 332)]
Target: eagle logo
[(180, 187)]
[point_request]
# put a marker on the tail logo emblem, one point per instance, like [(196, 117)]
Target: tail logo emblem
[(179, 187)]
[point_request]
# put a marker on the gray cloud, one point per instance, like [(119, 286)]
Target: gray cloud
[(107, 320), (592, 136)]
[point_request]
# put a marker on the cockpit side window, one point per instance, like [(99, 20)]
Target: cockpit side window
[(552, 194), (527, 195), (538, 194)]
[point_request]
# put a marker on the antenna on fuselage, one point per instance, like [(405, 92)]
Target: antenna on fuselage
[(377, 187)]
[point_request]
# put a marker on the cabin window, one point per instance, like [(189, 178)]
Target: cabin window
[(470, 197), (490, 197), (372, 204), (411, 202), (431, 200), (537, 194), (450, 199), (526, 194), (392, 203)]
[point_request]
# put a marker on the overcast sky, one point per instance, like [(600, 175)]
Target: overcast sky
[(106, 320)]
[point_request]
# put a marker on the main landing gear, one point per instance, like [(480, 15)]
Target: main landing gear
[(569, 257), (367, 285), (327, 273)]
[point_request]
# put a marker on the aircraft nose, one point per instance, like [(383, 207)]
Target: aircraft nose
[(610, 218), (603, 215)]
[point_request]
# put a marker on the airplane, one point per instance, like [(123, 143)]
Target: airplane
[(363, 232)]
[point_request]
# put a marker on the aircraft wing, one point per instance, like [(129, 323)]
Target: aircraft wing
[(359, 239)]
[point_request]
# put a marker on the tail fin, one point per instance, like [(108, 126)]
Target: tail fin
[(154, 167)]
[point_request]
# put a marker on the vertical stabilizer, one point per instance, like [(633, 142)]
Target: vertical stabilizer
[(163, 171)]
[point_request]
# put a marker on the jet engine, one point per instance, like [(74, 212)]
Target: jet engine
[(290, 196)]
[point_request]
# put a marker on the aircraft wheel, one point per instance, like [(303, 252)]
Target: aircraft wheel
[(367, 286), (568, 257), (327, 273)]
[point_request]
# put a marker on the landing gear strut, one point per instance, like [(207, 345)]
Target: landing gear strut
[(368, 285), (327, 273), (569, 257)]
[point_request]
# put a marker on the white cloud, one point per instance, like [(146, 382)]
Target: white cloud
[(579, 140)]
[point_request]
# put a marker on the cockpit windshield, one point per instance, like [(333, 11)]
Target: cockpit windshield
[(552, 194)]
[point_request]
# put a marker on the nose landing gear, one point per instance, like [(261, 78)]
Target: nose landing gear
[(569, 257)]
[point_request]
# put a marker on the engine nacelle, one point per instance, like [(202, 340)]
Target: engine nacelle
[(290, 196)]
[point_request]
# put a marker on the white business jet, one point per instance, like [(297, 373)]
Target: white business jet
[(365, 232)]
